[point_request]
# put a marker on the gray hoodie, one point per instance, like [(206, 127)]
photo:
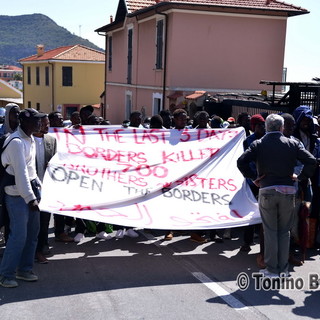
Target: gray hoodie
[(6, 126)]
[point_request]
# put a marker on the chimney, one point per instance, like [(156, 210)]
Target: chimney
[(111, 19), (40, 50)]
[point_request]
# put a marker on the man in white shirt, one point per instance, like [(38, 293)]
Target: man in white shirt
[(21, 200)]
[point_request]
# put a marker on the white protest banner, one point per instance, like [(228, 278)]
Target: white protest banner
[(150, 178)]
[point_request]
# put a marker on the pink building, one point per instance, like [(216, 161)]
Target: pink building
[(159, 52), (7, 73)]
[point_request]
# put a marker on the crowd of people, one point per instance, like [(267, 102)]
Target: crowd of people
[(279, 163)]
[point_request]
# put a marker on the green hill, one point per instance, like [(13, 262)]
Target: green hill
[(19, 36)]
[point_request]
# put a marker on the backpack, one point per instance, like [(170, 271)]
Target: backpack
[(6, 179)]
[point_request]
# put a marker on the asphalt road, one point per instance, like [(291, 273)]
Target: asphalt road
[(146, 278)]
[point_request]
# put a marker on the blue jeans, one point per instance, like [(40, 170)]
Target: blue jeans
[(23, 236)]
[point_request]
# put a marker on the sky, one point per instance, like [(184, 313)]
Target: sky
[(302, 55)]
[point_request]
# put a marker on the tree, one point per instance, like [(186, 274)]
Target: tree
[(17, 76)]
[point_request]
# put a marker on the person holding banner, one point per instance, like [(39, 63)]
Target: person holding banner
[(156, 122), (60, 221), (257, 124), (135, 122), (81, 224), (276, 156), (135, 119), (180, 119), (202, 122), (46, 147)]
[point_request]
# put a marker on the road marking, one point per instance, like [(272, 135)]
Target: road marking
[(209, 283), (219, 291), (152, 239)]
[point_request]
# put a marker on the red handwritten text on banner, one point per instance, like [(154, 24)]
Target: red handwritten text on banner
[(162, 179)]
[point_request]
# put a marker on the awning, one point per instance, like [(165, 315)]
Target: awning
[(13, 100), (196, 95)]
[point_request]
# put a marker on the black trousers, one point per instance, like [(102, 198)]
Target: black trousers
[(60, 221), (44, 230)]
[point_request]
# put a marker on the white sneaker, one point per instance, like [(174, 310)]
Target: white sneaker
[(268, 274), (103, 235), (78, 237), (120, 233), (131, 233)]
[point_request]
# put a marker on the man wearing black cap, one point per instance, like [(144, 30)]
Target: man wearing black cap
[(21, 199)]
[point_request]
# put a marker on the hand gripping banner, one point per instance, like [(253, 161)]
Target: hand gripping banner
[(150, 178)]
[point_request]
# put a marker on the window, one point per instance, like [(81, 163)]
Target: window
[(157, 103), (29, 75), (159, 44), (129, 74), (38, 106), (69, 109), (67, 76), (47, 76), (29, 104), (110, 53), (37, 76)]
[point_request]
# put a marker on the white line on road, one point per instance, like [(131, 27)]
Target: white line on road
[(219, 291), (209, 283)]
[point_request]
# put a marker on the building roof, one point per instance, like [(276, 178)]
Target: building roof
[(196, 95), (10, 68), (18, 101), (145, 8), (75, 52), (134, 5)]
